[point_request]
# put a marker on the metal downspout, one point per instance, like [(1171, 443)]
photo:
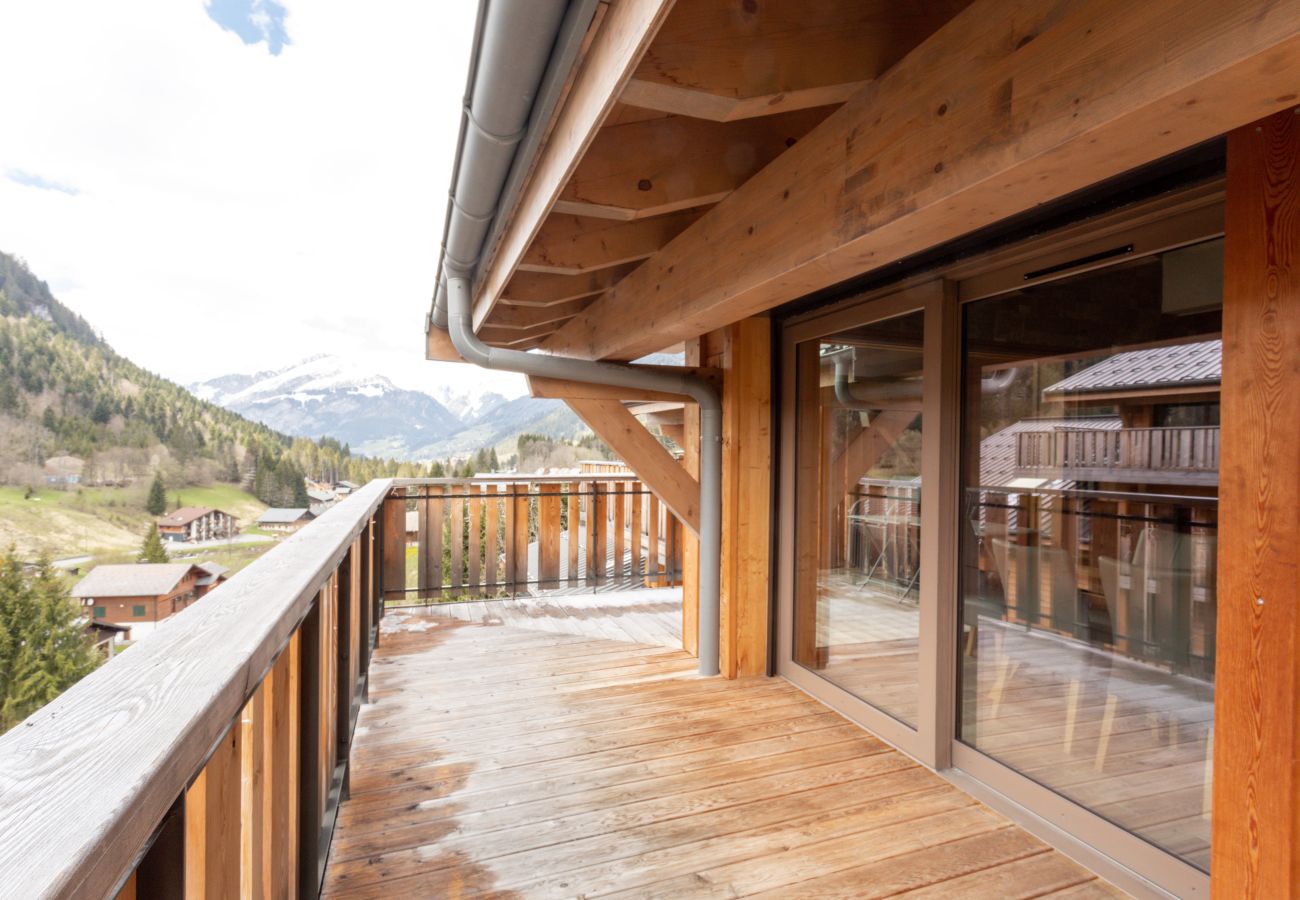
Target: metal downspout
[(460, 318)]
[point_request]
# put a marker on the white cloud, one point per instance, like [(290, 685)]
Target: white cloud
[(237, 211)]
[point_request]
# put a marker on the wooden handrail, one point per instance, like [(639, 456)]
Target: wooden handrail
[(87, 781)]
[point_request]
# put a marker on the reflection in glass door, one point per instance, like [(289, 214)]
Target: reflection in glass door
[(1086, 650), (858, 531)]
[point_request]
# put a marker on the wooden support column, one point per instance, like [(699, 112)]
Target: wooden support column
[(1256, 817), (746, 495)]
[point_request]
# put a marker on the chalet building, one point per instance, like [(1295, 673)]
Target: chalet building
[(990, 419), (284, 521), (106, 636), (197, 523), (140, 595)]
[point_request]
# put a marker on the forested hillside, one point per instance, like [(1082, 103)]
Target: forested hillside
[(64, 391)]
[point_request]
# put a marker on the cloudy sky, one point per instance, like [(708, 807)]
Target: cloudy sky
[(233, 185)]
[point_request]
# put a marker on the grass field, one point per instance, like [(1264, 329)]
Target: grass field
[(100, 521)]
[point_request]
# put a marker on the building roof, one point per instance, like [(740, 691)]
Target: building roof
[(278, 516), (213, 573), (1160, 367), (132, 580), (321, 496), (68, 465), (185, 515)]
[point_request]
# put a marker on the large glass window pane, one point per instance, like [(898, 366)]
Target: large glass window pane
[(859, 511), (1088, 539)]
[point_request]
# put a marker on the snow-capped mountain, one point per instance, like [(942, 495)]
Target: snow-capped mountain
[(330, 395)]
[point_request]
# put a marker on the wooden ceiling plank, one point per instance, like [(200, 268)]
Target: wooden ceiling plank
[(938, 147), (664, 165), (726, 61), (618, 45), (573, 245), (538, 289), (643, 453)]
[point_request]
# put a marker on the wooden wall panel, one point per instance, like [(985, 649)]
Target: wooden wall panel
[(212, 824), (1256, 818)]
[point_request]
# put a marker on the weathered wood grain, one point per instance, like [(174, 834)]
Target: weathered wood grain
[(114, 752)]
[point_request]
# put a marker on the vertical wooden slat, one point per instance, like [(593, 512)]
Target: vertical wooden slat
[(652, 541), (508, 536), (620, 528), (520, 537), (575, 529), (252, 780), (309, 798), (1256, 795), (128, 891), (395, 547), (475, 541), (598, 532), (548, 535), (456, 534), (424, 565), (491, 554), (635, 528), (212, 824), (433, 550)]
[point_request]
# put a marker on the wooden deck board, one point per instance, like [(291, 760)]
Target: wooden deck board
[(506, 760)]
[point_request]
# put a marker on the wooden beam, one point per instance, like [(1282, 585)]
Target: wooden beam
[(665, 165), (530, 317), (939, 146), (728, 61), (556, 388), (571, 245), (643, 453), (625, 31), (540, 289), (438, 346), (1256, 817), (675, 433)]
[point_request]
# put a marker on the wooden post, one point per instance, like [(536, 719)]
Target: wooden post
[(437, 527), (548, 536), (1256, 817), (746, 496), (652, 538), (598, 531)]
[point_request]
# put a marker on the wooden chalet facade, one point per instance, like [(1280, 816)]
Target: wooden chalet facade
[(1062, 235), (141, 595), (197, 523), (1000, 302)]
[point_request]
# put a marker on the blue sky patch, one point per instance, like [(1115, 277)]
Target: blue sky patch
[(254, 21), (27, 179)]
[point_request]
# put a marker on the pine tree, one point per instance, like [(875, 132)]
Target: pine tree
[(152, 551), (156, 505), (43, 647)]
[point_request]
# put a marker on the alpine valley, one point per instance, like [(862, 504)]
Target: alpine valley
[(329, 395)]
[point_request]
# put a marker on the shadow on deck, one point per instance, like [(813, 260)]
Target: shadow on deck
[(524, 759)]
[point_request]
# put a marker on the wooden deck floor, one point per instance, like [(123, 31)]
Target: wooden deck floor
[(498, 760)]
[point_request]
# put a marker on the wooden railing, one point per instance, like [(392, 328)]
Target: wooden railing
[(1187, 455), (489, 537), (209, 759)]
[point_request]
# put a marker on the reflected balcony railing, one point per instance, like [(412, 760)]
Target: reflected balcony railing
[(1183, 455)]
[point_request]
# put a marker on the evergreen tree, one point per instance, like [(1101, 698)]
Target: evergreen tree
[(152, 551), (156, 505), (43, 648)]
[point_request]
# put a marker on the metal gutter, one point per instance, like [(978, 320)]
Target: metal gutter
[(523, 53)]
